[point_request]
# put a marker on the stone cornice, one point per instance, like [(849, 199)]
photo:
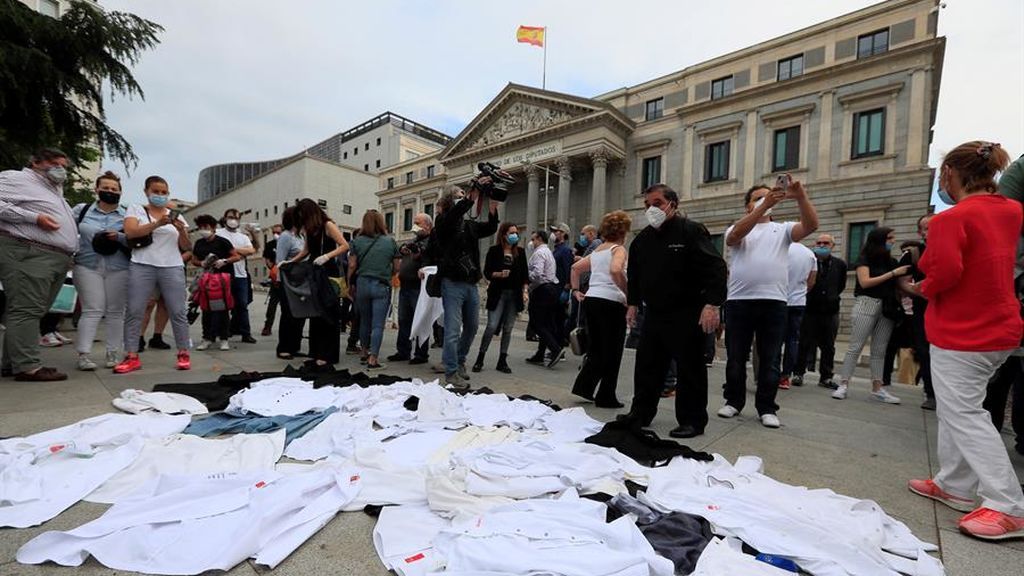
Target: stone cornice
[(803, 111), (890, 90)]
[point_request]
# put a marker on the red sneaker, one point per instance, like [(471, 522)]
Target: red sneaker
[(930, 489), (184, 362), (131, 363), (784, 384), (989, 524)]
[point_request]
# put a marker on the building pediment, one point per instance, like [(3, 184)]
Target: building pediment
[(519, 114)]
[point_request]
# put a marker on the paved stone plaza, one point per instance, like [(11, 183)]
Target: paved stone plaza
[(855, 447)]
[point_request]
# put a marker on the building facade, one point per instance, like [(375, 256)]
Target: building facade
[(409, 188), (845, 106), (371, 146)]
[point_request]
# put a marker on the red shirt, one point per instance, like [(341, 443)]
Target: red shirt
[(972, 303)]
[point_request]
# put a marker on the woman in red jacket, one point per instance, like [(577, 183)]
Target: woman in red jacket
[(973, 323)]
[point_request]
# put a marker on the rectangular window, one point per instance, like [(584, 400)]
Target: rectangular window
[(355, 151), (791, 67), (407, 219), (430, 171), (408, 177), (716, 161), (786, 152), (378, 163), (869, 133), (366, 167), (873, 43), (652, 171), (345, 156), (655, 109), (367, 146), (389, 221), (856, 237), (391, 182), (285, 205), (275, 209), (722, 87), (346, 208), (378, 141), (266, 213), (718, 240), (257, 215), (428, 209), (321, 203)]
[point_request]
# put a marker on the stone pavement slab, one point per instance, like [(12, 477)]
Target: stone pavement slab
[(855, 447)]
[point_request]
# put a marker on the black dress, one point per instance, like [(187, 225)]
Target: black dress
[(324, 334)]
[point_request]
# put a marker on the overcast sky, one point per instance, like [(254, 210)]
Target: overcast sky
[(245, 80)]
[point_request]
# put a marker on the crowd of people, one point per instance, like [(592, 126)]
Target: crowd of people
[(777, 301)]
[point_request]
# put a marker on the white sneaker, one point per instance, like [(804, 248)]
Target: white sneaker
[(840, 393), (727, 411), (113, 358), (225, 345), (50, 341), (86, 364), (63, 339), (770, 421), (885, 396), (204, 345)]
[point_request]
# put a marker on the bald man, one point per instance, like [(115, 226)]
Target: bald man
[(408, 275), (821, 316)]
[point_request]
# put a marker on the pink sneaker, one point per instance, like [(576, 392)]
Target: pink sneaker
[(989, 524), (930, 489), (184, 362)]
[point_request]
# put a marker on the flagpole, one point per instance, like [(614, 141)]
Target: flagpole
[(544, 73)]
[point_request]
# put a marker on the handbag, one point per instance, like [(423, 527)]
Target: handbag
[(296, 280), (579, 338), (141, 241)]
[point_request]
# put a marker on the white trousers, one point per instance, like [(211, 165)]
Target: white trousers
[(103, 294), (972, 456)]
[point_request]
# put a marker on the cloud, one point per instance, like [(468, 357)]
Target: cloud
[(242, 80)]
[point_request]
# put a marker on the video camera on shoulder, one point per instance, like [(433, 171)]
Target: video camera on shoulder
[(500, 180)]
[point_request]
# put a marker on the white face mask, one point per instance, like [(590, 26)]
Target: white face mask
[(231, 223), (767, 212), (656, 216), (276, 236), (416, 229), (206, 233), (57, 174)]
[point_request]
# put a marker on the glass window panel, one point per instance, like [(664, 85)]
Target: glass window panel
[(780, 149)]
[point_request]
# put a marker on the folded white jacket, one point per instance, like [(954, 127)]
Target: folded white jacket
[(137, 402)]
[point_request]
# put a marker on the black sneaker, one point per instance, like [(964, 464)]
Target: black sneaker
[(248, 339), (828, 383), (538, 360), (418, 360), (142, 344), (397, 358), (556, 358), (797, 380), (157, 342)]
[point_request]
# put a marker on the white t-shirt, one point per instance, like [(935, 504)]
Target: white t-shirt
[(801, 263), (238, 240), (758, 268), (163, 252)]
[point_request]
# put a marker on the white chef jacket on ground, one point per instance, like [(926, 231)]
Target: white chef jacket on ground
[(189, 524), (404, 539), (188, 455), (428, 310), (498, 409), (137, 401), (567, 536), (281, 397), (44, 474), (823, 532), (721, 558)]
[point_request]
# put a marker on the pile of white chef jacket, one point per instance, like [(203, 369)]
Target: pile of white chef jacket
[(476, 484)]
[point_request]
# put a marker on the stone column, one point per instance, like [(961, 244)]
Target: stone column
[(599, 192), (919, 109), (687, 186), (532, 198), (824, 156), (564, 179), (749, 160)]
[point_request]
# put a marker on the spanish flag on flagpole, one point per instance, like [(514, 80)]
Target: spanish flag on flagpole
[(531, 35)]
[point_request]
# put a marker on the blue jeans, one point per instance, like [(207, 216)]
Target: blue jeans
[(744, 319), (407, 298), (241, 292), (503, 316), (794, 319), (373, 297), (461, 302)]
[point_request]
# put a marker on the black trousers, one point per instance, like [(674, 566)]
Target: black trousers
[(922, 352), (274, 298), (324, 340), (666, 337), (817, 331), (606, 329), (745, 320), (1009, 377), (215, 325), (547, 317), (289, 330)]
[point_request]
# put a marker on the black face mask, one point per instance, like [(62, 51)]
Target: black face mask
[(109, 197)]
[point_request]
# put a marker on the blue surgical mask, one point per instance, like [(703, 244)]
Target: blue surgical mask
[(584, 241), (889, 246), (945, 197), (513, 239), (821, 250), (159, 200)]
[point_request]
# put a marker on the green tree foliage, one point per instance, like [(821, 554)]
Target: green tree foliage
[(52, 77)]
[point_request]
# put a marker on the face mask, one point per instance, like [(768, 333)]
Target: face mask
[(276, 236), (655, 216), (231, 223), (888, 246), (821, 250), (945, 197), (206, 233), (57, 174), (159, 200), (767, 212), (109, 197), (416, 229), (513, 239), (584, 241)]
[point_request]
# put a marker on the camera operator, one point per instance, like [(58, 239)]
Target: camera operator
[(458, 248), (413, 253)]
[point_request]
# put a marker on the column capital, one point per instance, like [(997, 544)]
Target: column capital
[(564, 166), (600, 156), (532, 173)]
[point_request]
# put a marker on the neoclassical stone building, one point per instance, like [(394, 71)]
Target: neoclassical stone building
[(846, 106)]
